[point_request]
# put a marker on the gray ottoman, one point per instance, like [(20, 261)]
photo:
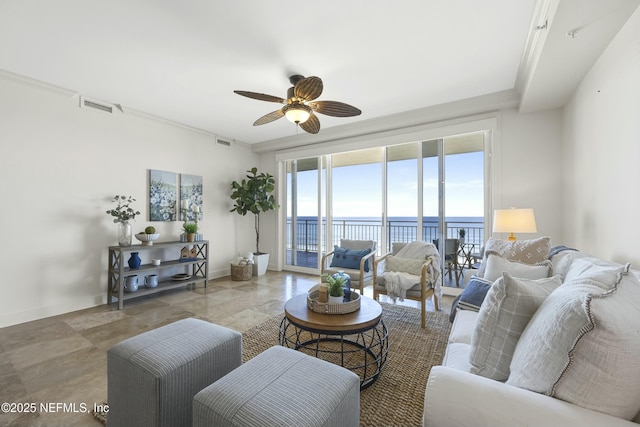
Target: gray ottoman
[(153, 377), (281, 387)]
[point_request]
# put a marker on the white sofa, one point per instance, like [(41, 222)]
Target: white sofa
[(456, 397)]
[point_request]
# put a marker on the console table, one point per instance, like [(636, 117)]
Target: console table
[(197, 268)]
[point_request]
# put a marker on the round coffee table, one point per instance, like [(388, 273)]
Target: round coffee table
[(358, 341)]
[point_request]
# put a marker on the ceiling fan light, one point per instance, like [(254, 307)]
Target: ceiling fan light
[(297, 113)]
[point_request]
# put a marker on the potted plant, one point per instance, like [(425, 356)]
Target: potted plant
[(122, 214), (190, 228), (254, 195), (461, 233), (335, 287)]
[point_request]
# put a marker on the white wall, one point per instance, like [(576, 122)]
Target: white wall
[(602, 148), (60, 166), (528, 169)]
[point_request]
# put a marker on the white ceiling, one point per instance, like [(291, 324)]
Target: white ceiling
[(181, 60)]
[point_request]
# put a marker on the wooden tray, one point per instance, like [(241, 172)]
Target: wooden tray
[(326, 308)]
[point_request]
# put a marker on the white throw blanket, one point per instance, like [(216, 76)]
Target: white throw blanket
[(397, 282)]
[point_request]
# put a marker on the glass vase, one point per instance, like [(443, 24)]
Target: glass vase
[(125, 233)]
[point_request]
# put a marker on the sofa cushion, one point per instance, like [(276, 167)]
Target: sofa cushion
[(405, 265), (497, 265), (582, 344), (456, 356), (562, 260), (349, 258), (529, 251), (508, 307)]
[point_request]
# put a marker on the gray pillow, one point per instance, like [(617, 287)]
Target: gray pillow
[(529, 251), (510, 304)]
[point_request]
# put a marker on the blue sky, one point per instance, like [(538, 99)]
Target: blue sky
[(357, 190)]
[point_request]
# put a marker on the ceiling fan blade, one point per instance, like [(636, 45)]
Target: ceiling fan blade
[(260, 96), (268, 118), (312, 125), (309, 88), (335, 109)]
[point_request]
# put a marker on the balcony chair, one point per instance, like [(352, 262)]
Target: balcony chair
[(355, 258), (426, 273), (450, 256)]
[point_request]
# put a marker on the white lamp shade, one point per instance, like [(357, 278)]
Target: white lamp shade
[(514, 221), (297, 115)]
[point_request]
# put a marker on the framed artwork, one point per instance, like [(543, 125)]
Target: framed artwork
[(163, 195), (191, 195)]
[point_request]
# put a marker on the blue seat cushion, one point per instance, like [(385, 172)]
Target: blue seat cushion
[(349, 258)]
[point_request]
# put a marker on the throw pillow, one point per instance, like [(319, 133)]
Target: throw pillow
[(530, 251), (582, 344), (510, 304), (349, 258), (496, 266), (405, 265), (472, 296)]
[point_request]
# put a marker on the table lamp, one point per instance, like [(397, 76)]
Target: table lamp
[(514, 221)]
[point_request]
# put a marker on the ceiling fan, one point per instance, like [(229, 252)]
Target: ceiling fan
[(299, 107)]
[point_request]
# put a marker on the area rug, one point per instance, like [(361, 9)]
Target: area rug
[(397, 397)]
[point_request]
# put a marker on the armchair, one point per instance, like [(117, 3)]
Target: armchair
[(427, 281), (359, 265)]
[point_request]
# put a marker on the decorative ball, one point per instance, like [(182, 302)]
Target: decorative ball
[(150, 230)]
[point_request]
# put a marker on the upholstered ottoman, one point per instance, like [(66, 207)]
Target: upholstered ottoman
[(153, 377), (281, 387)]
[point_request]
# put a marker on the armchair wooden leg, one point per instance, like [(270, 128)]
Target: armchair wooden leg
[(423, 314)]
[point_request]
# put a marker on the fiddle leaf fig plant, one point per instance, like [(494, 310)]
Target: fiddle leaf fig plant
[(254, 195)]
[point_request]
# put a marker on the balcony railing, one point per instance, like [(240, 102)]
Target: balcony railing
[(395, 231)]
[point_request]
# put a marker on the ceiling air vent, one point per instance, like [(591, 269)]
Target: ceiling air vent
[(96, 105), (223, 142)]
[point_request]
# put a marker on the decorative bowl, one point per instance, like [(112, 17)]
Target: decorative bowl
[(147, 239)]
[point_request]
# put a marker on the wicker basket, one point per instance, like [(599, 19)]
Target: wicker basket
[(241, 271), (326, 308)]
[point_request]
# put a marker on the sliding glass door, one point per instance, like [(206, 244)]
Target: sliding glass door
[(427, 191), (453, 200), (305, 207), (402, 177), (356, 196)]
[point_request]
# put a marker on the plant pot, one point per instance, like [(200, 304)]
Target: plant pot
[(191, 237), (260, 263), (336, 300)]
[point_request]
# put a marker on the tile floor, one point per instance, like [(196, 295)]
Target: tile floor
[(54, 370)]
